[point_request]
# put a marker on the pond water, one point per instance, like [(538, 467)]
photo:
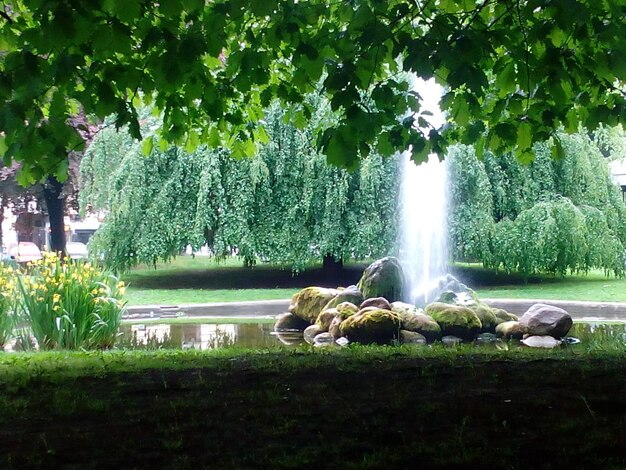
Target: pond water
[(257, 334)]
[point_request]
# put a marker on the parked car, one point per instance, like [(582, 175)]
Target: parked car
[(24, 252), (76, 250)]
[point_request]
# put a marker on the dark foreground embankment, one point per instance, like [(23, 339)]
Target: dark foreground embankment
[(325, 410)]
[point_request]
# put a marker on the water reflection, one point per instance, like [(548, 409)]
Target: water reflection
[(204, 336), (200, 336)]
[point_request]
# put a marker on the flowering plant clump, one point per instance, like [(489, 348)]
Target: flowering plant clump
[(8, 296), (71, 304)]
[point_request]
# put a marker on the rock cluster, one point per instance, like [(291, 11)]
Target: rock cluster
[(372, 312)]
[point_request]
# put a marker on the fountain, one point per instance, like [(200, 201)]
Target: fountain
[(423, 237), (423, 251)]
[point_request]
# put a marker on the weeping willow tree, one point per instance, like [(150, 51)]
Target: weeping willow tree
[(284, 205), (553, 215)]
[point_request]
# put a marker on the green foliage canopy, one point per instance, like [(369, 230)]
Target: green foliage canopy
[(285, 205), (554, 215), (514, 71)]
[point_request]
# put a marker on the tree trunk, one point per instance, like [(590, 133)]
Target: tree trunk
[(332, 267), (52, 193)]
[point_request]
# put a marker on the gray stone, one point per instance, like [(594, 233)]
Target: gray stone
[(324, 339), (537, 341), (546, 320), (378, 302), (311, 332), (450, 340), (289, 322)]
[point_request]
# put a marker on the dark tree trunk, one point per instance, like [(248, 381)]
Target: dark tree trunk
[(332, 267), (52, 193)]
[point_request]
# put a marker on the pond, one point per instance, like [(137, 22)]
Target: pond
[(255, 334)]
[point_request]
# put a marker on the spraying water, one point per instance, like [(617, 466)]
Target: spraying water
[(423, 250), (423, 234)]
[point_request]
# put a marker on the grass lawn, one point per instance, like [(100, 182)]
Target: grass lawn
[(188, 280), (355, 408)]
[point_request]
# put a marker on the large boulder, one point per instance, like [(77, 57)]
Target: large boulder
[(546, 320), (350, 294), (383, 278), (371, 325), (455, 320), (310, 301), (289, 322)]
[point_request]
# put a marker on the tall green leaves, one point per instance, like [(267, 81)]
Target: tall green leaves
[(515, 70), (554, 216), (284, 205)]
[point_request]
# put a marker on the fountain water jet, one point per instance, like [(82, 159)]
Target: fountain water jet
[(423, 247), (423, 231)]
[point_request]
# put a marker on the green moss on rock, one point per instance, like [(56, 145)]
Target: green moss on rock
[(383, 278), (310, 301), (371, 325), (455, 320)]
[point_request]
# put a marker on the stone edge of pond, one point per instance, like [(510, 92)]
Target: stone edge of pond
[(579, 310)]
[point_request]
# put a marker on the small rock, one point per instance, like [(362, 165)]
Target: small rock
[(510, 329), (450, 340), (311, 332), (486, 338), (323, 339), (378, 302), (343, 341), (289, 322), (541, 342)]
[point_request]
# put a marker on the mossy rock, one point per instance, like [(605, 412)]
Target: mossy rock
[(455, 320), (371, 325), (346, 309), (510, 329), (310, 301), (383, 278), (350, 294), (422, 324), (503, 315), (325, 318), (487, 317)]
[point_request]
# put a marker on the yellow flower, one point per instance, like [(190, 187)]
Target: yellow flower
[(56, 298)]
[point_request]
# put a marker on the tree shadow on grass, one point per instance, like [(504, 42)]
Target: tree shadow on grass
[(256, 277)]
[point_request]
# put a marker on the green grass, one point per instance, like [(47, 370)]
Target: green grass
[(188, 280), (360, 407), (595, 287), (136, 296)]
